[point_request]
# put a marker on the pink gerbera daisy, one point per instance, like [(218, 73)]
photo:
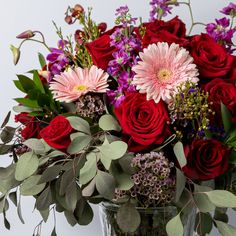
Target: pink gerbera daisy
[(72, 84), (162, 69)]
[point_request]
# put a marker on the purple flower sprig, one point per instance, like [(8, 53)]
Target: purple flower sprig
[(222, 32), (125, 57), (230, 10), (124, 17), (160, 8)]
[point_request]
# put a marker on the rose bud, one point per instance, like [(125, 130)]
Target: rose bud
[(102, 27), (69, 20), (26, 34), (16, 54)]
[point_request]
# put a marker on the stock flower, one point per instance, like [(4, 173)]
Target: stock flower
[(72, 84), (206, 159), (230, 9), (161, 69), (144, 123)]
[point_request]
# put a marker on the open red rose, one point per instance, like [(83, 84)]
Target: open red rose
[(32, 126), (57, 133), (143, 122), (172, 31), (212, 59), (101, 50), (221, 91), (206, 160)]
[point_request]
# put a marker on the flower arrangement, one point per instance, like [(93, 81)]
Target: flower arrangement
[(140, 115)]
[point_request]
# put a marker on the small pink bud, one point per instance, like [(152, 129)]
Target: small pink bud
[(16, 54), (26, 34), (69, 20)]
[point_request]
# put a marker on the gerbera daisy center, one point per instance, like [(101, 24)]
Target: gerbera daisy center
[(80, 87), (164, 74)]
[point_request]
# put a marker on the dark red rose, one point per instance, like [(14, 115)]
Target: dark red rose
[(32, 126), (212, 59), (206, 159), (144, 123), (101, 50), (57, 133), (221, 91), (173, 31)]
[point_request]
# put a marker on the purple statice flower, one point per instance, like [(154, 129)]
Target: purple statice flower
[(229, 10), (57, 58), (221, 31), (161, 8)]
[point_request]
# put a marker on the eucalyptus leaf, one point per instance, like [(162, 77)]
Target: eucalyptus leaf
[(89, 169), (204, 223), (175, 227), (31, 187), (36, 145), (179, 153), (105, 185), (66, 179), (4, 149), (203, 203), (83, 213), (222, 198), (89, 189), (50, 173), (180, 184), (6, 222), (44, 200), (226, 117), (19, 212), (54, 232), (124, 181), (45, 214), (225, 229), (114, 150), (79, 143), (71, 196), (79, 124), (70, 218), (128, 218), (13, 197), (7, 134), (26, 166), (6, 120), (108, 122)]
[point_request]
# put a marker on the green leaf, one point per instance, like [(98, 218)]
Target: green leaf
[(114, 150), (2, 204), (226, 117), (26, 166), (44, 200), (19, 212), (7, 134), (108, 122), (19, 109), (89, 189), (26, 82), (128, 218), (175, 227), (13, 197), (70, 218), (225, 229), (83, 213), (105, 185), (31, 187), (65, 181), (27, 102), (203, 223), (232, 157), (221, 214), (124, 181), (71, 196), (6, 120), (89, 169), (179, 153), (79, 143), (180, 184), (42, 60), (50, 173), (203, 203), (222, 198), (105, 161), (4, 149), (19, 86), (125, 163), (79, 124), (44, 214), (6, 222), (36, 145), (54, 232)]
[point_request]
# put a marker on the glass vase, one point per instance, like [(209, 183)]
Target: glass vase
[(153, 221)]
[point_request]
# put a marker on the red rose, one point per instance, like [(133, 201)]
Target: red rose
[(32, 126), (143, 122), (172, 31), (221, 91), (206, 159), (57, 133), (101, 50), (212, 59)]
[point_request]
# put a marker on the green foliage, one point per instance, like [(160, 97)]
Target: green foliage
[(225, 229), (179, 153), (7, 134), (42, 60), (79, 124), (128, 218), (79, 143), (180, 184), (204, 223), (175, 227), (26, 166), (226, 117), (108, 122)]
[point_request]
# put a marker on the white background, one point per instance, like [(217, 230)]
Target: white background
[(19, 15)]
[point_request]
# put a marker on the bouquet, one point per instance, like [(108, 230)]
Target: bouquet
[(142, 115)]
